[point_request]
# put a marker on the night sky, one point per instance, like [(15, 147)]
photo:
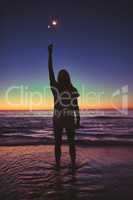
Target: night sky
[(94, 42)]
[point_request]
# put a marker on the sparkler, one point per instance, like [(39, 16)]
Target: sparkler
[(53, 23)]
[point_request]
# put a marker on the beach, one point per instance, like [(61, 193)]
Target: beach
[(28, 172), (66, 82), (104, 165)]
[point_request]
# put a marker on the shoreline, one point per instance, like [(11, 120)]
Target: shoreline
[(101, 173), (30, 141)]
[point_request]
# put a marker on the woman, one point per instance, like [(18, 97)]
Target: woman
[(66, 110)]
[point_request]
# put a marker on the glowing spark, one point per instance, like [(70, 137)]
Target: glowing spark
[(54, 23)]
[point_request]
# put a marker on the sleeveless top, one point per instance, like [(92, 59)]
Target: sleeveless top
[(64, 105)]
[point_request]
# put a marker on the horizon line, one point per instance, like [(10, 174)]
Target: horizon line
[(82, 109)]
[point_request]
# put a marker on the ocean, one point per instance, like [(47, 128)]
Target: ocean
[(27, 162), (104, 127)]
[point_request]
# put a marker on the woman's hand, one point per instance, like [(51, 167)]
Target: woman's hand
[(50, 48), (77, 124)]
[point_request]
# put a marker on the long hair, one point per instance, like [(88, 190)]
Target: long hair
[(64, 80), (65, 84)]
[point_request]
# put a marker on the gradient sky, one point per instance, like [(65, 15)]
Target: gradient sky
[(94, 42)]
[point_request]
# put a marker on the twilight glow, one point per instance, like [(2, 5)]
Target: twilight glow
[(91, 44)]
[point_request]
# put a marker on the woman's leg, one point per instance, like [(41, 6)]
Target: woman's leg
[(58, 138), (71, 142)]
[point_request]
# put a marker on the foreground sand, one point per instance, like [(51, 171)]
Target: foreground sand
[(102, 173)]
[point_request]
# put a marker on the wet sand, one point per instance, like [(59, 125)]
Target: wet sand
[(28, 172)]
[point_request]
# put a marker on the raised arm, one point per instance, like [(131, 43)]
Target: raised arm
[(50, 66)]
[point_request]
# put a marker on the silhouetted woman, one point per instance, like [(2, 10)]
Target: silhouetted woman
[(66, 110)]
